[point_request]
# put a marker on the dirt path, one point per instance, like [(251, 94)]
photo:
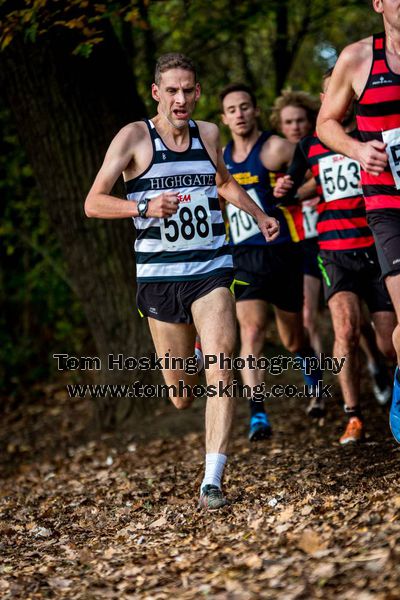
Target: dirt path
[(118, 518)]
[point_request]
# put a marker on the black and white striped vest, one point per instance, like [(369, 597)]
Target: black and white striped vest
[(192, 243)]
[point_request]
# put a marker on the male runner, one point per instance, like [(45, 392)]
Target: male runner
[(347, 260), (273, 271), (370, 70), (294, 114), (173, 172)]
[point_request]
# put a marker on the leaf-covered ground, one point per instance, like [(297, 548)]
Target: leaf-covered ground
[(118, 517)]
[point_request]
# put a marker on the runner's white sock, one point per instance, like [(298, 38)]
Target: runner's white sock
[(215, 464)]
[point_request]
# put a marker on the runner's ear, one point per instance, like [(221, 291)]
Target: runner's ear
[(155, 92)]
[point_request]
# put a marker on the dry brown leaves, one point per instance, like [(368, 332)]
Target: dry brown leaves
[(118, 518)]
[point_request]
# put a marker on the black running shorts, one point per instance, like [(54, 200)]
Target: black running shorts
[(274, 274), (171, 301), (310, 249), (355, 271), (385, 226)]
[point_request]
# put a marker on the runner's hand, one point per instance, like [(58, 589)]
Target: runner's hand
[(163, 206), (372, 156), (283, 186), (269, 227)]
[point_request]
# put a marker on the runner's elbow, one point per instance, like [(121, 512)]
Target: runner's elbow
[(89, 208)]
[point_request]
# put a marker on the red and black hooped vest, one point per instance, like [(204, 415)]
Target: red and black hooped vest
[(378, 118), (342, 223)]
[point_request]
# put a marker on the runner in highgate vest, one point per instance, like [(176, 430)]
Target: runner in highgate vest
[(173, 171)]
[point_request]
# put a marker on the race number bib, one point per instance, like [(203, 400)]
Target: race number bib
[(310, 218), (340, 177), (392, 139), (189, 226), (242, 226)]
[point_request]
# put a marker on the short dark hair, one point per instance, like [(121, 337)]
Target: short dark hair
[(173, 60), (237, 87)]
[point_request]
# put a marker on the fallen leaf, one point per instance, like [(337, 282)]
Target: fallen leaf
[(310, 542), (159, 523), (286, 514)]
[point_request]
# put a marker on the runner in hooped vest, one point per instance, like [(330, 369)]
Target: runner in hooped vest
[(349, 265), (272, 271), (174, 171), (369, 70)]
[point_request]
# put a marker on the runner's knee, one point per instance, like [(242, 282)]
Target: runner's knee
[(182, 403), (348, 337), (252, 334), (386, 346), (396, 339), (309, 318)]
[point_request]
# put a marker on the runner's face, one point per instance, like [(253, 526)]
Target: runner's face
[(176, 95), (239, 114), (294, 123)]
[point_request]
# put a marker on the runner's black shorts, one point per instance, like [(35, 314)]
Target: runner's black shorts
[(171, 301), (274, 274), (310, 249), (355, 271), (385, 226)]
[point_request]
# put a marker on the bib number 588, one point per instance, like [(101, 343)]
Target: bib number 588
[(188, 227)]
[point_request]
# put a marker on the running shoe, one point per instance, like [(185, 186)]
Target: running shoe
[(212, 498), (394, 418), (354, 431), (380, 383), (199, 355), (260, 427), (316, 408)]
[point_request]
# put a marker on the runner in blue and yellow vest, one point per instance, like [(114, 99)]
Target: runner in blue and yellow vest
[(273, 272)]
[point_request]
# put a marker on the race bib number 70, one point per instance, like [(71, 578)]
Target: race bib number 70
[(243, 226), (392, 139), (189, 226)]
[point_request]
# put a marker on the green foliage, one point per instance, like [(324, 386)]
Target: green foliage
[(40, 314), (261, 42)]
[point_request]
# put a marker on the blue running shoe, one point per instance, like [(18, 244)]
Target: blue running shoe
[(260, 427), (394, 418)]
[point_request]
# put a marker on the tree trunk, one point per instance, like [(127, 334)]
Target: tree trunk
[(281, 54), (67, 109)]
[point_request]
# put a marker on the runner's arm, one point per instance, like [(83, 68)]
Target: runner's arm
[(277, 153), (101, 204), (287, 186), (232, 192), (371, 155), (308, 190)]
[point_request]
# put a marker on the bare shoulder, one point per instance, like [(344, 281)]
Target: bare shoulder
[(354, 55), (132, 134), (131, 149), (276, 153), (208, 131), (276, 143), (352, 68), (280, 147)]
